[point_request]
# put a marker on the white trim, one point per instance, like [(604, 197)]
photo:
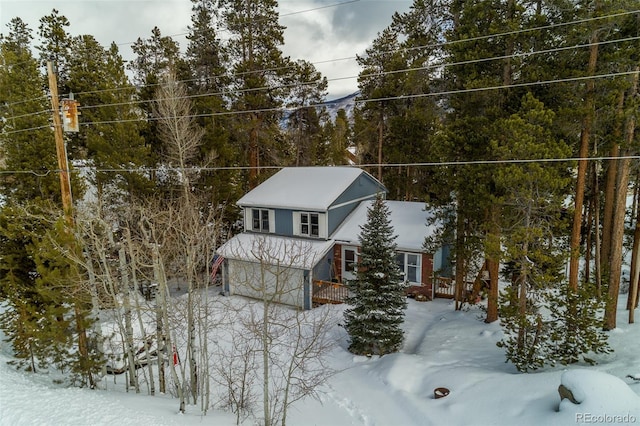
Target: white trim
[(248, 219), (357, 200), (272, 221), (297, 224), (405, 263), (354, 249), (323, 225)]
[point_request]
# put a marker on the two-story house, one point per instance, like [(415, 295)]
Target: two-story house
[(301, 229)]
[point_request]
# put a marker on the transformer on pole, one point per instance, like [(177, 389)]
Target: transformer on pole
[(70, 114)]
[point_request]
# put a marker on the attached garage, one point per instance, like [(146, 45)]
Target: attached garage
[(260, 281), (272, 267)]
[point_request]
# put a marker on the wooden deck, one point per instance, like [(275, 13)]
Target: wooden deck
[(446, 287), (325, 292)]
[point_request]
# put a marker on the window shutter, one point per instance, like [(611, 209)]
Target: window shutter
[(272, 221), (248, 221), (322, 223), (296, 223)]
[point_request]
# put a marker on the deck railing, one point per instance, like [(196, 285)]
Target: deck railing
[(446, 287), (329, 292)]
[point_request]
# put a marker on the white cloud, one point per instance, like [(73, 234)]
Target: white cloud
[(319, 31)]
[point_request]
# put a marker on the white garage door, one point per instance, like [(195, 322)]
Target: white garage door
[(249, 279)]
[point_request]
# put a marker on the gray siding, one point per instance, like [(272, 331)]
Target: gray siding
[(284, 222), (338, 215), (322, 270), (365, 187)]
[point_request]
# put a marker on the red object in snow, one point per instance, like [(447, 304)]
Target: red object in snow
[(175, 356)]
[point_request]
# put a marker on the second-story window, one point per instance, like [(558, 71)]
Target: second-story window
[(309, 224), (260, 220)]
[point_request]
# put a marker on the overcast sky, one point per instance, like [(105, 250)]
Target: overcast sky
[(328, 33)]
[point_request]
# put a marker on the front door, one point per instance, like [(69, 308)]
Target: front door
[(349, 262)]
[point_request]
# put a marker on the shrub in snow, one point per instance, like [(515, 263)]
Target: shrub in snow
[(577, 325)]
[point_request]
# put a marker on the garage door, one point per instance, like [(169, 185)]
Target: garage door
[(249, 279)]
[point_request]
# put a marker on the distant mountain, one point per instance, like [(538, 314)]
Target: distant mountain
[(347, 103)]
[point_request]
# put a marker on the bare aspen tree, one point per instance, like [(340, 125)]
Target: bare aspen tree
[(105, 276), (154, 239), (236, 363), (126, 305), (192, 225), (133, 249), (292, 343)]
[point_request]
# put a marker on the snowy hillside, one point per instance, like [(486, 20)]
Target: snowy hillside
[(347, 103), (443, 348)]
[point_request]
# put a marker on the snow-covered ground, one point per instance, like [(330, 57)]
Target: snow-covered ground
[(443, 348)]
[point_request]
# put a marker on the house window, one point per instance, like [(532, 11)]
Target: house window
[(409, 264), (310, 224), (350, 260), (260, 220)]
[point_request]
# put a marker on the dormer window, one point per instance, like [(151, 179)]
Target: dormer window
[(261, 220), (309, 224)]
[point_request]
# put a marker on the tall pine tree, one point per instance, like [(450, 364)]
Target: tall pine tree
[(377, 300), (258, 70)]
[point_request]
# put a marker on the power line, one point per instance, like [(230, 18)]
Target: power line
[(506, 86), (441, 44), (482, 37), (298, 12), (179, 34), (440, 65), (79, 169), (499, 58), (401, 97), (11, 132)]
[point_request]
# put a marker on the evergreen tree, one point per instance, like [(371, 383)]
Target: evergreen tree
[(532, 199), (258, 71), (377, 295), (576, 325), (36, 278), (338, 138), (308, 91), (394, 121), (207, 79), (156, 56), (112, 138), (543, 322), (55, 45), (378, 81), (26, 141)]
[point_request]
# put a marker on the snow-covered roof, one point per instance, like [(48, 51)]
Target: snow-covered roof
[(312, 188), (408, 218), (274, 249)]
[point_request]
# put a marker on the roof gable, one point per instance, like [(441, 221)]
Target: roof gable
[(287, 252), (312, 188), (408, 218)]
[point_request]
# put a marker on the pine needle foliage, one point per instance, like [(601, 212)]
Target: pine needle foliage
[(377, 296)]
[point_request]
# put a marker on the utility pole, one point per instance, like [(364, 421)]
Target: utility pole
[(61, 151), (65, 188)]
